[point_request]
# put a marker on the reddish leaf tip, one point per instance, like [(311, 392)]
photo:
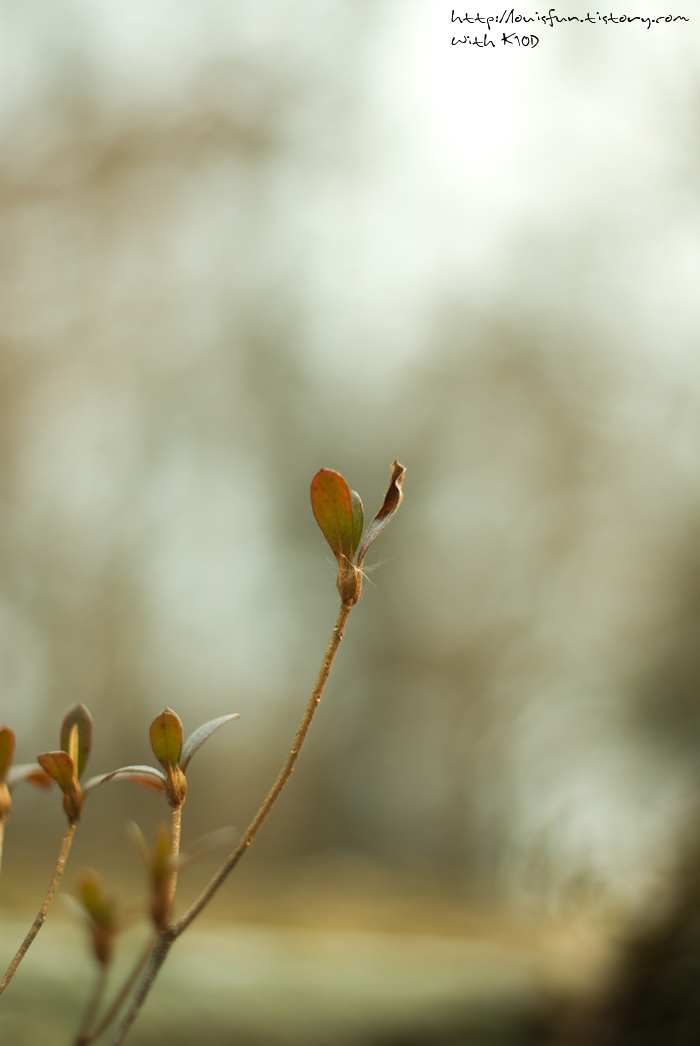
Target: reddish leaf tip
[(331, 502)]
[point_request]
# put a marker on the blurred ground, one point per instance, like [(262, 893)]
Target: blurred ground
[(389, 965)]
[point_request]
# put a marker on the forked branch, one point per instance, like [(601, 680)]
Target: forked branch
[(167, 938)]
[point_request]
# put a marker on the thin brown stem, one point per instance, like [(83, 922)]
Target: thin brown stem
[(119, 1000), (95, 999), (175, 850), (2, 839), (156, 959), (282, 778), (170, 934), (43, 911)]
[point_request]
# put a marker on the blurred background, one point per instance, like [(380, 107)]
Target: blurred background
[(241, 242)]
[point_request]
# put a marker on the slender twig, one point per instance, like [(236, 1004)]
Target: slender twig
[(166, 939), (119, 1000), (175, 850), (282, 778), (156, 959), (93, 1003), (39, 921), (2, 837)]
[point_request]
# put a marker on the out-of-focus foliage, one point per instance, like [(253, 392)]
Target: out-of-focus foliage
[(244, 242)]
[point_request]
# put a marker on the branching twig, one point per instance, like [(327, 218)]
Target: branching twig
[(166, 939), (83, 1036), (39, 921), (90, 1036)]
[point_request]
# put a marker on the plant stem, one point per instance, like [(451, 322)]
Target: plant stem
[(175, 850), (282, 778), (167, 938), (39, 921), (2, 838), (95, 999), (155, 961), (90, 1036)]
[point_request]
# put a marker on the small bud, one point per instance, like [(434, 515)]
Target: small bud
[(166, 742), (61, 768), (339, 513), (101, 911), (166, 738)]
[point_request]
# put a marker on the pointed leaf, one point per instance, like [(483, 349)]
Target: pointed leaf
[(200, 735), (358, 520), (137, 837), (332, 507), (392, 500), (78, 716), (154, 784), (147, 776), (166, 738), (220, 837), (60, 766), (7, 751), (31, 772)]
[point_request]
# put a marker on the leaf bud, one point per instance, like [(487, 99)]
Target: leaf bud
[(60, 766), (166, 742), (101, 911), (339, 513)]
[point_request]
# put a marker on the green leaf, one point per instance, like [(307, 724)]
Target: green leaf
[(7, 751), (392, 500), (332, 506), (358, 520), (61, 767), (166, 738), (200, 735), (78, 716)]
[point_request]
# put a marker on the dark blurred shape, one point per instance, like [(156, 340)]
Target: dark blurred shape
[(527, 1025), (669, 705), (653, 998)]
